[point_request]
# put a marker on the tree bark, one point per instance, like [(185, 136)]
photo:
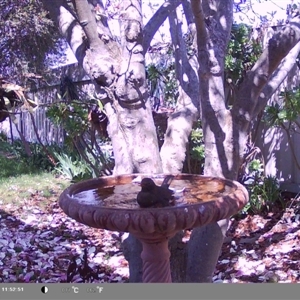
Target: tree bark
[(157, 19), (204, 248), (276, 79), (258, 77), (118, 71), (213, 22), (180, 122)]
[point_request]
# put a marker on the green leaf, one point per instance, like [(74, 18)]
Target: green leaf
[(100, 105), (282, 115)]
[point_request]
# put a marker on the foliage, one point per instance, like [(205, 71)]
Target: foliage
[(171, 87), (197, 144), (38, 158), (243, 51), (14, 161), (73, 168), (194, 162), (71, 115), (288, 111), (162, 82), (255, 166), (4, 143), (252, 167), (27, 36), (264, 191), (285, 115), (264, 195), (9, 167), (292, 9)]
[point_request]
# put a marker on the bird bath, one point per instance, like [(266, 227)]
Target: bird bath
[(110, 203)]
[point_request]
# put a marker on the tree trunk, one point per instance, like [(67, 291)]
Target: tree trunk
[(180, 123), (132, 249), (178, 259), (203, 251), (220, 154), (118, 71), (134, 140)]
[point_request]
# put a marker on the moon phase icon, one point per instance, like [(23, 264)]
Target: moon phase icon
[(44, 289)]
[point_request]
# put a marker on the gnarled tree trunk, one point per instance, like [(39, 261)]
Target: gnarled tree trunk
[(118, 71)]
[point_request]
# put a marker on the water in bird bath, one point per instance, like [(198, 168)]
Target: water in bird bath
[(123, 196)]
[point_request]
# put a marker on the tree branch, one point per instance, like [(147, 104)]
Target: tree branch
[(102, 60), (101, 19), (186, 4), (276, 79), (88, 22), (278, 48), (213, 21), (187, 106), (178, 45), (155, 22), (182, 64), (199, 21), (66, 21)]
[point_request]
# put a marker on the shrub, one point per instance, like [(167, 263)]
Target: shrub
[(73, 168), (194, 162), (264, 195)]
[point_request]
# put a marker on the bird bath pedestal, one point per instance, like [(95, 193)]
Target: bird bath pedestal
[(110, 203)]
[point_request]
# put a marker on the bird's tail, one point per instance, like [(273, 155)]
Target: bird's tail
[(167, 181)]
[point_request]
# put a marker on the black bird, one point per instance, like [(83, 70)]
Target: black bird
[(154, 195)]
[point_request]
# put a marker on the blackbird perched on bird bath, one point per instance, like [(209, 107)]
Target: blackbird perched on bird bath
[(183, 202), (152, 195)]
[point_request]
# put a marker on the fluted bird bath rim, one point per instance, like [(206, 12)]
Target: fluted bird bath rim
[(154, 226)]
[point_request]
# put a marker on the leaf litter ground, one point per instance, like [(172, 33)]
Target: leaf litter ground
[(39, 243)]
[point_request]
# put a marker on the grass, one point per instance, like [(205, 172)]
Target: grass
[(35, 190), (11, 166), (24, 181)]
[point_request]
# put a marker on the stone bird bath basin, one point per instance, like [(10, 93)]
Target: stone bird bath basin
[(110, 203)]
